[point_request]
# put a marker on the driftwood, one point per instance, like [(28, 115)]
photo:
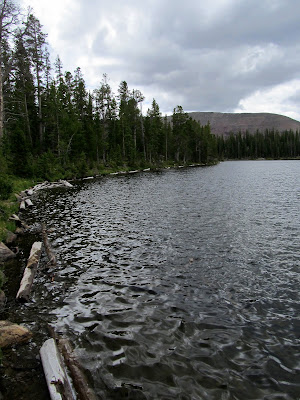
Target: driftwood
[(49, 251), (77, 374), (18, 221), (29, 192), (28, 203), (22, 205), (60, 349), (58, 382), (29, 272), (51, 185), (18, 197)]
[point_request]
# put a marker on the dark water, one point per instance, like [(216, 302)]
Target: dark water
[(182, 284)]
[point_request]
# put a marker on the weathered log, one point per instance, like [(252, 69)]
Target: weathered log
[(22, 205), (28, 203), (78, 377), (14, 217), (51, 185), (29, 192), (18, 197), (49, 251), (29, 272), (18, 221), (58, 382), (66, 183)]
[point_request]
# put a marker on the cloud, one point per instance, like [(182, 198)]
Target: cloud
[(283, 98), (205, 56)]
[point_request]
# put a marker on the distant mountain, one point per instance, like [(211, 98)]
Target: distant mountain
[(225, 123)]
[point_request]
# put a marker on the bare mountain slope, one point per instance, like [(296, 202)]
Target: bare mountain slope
[(225, 123)]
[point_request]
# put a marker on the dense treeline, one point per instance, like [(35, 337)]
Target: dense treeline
[(53, 127), (270, 144)]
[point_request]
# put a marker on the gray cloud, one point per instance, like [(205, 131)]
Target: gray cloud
[(206, 56)]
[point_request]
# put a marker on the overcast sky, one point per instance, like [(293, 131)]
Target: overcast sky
[(205, 55)]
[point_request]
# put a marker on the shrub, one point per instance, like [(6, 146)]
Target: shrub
[(6, 188)]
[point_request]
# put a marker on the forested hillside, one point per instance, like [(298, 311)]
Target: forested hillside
[(52, 127)]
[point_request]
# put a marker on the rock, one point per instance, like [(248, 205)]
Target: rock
[(11, 334), (2, 300), (10, 238), (5, 253)]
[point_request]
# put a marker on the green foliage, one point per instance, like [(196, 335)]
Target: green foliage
[(6, 187), (270, 144), (10, 206), (56, 129)]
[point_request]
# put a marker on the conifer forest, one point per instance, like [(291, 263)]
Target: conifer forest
[(52, 127)]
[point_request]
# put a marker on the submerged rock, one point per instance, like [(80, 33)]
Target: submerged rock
[(10, 238), (5, 253), (11, 334)]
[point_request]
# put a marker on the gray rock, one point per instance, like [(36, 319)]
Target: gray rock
[(5, 253), (10, 238)]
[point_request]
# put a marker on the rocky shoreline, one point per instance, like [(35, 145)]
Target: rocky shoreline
[(13, 334)]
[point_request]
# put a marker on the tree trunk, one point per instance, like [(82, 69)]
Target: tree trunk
[(27, 120), (1, 100)]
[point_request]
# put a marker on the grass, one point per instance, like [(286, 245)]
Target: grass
[(11, 205)]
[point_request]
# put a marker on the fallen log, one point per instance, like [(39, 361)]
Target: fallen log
[(65, 353), (58, 382), (29, 192), (18, 221), (28, 203), (51, 185), (78, 377), (18, 197), (29, 272), (49, 251)]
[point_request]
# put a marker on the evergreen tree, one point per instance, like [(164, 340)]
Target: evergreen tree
[(106, 112), (9, 16), (35, 42)]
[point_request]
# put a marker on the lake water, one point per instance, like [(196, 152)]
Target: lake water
[(182, 284)]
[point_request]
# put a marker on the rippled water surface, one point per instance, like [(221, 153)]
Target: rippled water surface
[(182, 284)]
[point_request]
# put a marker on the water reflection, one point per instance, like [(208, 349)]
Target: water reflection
[(182, 284)]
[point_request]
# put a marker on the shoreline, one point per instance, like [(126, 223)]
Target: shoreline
[(22, 238)]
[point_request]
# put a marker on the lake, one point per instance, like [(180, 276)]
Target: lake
[(182, 284)]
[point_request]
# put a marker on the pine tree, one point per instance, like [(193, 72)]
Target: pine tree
[(35, 43), (9, 16)]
